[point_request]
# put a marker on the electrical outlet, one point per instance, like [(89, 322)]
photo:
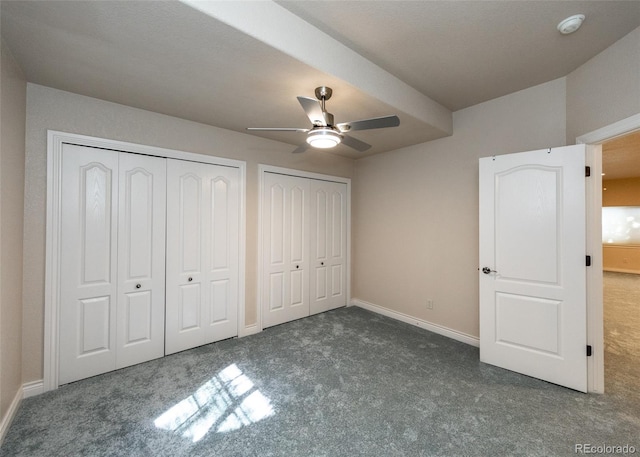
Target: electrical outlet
[(429, 304)]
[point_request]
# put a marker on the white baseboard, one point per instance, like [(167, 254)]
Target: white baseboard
[(8, 417), (621, 270), (33, 388), (435, 328)]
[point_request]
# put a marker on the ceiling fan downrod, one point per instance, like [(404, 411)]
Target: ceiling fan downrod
[(323, 93)]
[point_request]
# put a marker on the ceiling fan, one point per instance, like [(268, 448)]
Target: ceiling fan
[(326, 134)]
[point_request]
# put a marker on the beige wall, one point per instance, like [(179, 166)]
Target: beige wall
[(12, 150), (57, 110), (621, 192), (415, 209), (606, 89), (623, 259)]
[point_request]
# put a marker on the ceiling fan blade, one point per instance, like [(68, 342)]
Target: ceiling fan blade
[(303, 147), (276, 129), (355, 144), (367, 124), (313, 109)]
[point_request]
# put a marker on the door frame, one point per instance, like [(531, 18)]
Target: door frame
[(55, 143), (595, 307), (262, 169)]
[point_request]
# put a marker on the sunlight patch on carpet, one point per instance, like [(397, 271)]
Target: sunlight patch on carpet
[(227, 402)]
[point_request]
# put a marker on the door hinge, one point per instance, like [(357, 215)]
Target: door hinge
[(589, 350), (587, 171), (588, 260)]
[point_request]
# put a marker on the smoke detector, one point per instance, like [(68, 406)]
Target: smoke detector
[(570, 24)]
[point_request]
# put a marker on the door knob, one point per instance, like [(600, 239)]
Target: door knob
[(190, 279), (487, 270), (322, 264), (138, 286), (297, 266)]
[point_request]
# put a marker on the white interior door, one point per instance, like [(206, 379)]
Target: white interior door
[(532, 264), (328, 245), (141, 259), (202, 254), (285, 216), (88, 280)]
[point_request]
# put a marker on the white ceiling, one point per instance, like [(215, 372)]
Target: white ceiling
[(241, 64), (461, 53)]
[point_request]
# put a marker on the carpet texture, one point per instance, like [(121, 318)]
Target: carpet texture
[(622, 332), (343, 383)]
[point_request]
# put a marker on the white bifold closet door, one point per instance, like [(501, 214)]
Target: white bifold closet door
[(304, 247), (149, 261), (286, 233), (328, 243), (112, 261), (202, 254)]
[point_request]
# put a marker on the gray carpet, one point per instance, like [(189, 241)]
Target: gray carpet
[(622, 332), (343, 383)]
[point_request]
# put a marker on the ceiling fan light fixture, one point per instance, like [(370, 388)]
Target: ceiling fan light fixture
[(323, 138), (324, 133), (570, 24)]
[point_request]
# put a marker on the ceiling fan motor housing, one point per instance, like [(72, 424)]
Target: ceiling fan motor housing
[(323, 93)]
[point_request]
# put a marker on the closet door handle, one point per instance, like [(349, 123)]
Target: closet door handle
[(138, 286), (297, 266), (190, 279), (322, 264)]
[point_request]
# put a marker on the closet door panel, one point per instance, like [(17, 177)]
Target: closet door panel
[(274, 238), (88, 279), (298, 230), (189, 220), (320, 286), (220, 301), (189, 308), (319, 241), (328, 241), (141, 258), (275, 293), (298, 288), (222, 212), (224, 253), (93, 329), (138, 317), (338, 245), (297, 225), (285, 218), (185, 205), (202, 254), (337, 284)]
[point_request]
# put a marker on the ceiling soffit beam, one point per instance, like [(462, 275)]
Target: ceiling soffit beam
[(302, 41)]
